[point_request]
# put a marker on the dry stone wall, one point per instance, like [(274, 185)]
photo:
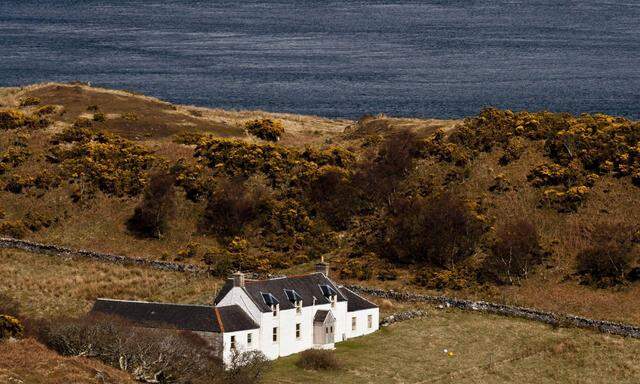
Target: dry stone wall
[(499, 309), (56, 250)]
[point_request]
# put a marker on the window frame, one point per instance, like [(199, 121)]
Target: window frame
[(232, 344), (274, 335), (298, 331), (354, 323), (370, 321), (249, 339)]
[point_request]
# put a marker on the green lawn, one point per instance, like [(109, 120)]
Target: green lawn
[(486, 349)]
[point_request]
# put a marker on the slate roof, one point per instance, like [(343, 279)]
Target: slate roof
[(356, 302), (306, 286), (177, 316), (321, 315)]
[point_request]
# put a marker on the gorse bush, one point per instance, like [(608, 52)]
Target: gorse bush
[(10, 327), (151, 216), (12, 157), (103, 162), (99, 117), (188, 138), (12, 119), (265, 129), (193, 179), (29, 101)]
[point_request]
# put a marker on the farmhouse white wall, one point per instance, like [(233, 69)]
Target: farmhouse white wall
[(241, 344), (286, 320), (362, 322)]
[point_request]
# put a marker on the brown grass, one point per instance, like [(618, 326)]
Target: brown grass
[(52, 286), (27, 361)]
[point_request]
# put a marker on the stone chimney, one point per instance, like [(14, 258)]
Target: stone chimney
[(238, 279), (322, 267)]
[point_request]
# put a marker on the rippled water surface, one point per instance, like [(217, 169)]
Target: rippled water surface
[(343, 58)]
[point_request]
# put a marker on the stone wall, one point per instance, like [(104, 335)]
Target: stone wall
[(56, 250), (500, 309)]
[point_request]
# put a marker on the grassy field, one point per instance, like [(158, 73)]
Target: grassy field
[(486, 348), (52, 286)]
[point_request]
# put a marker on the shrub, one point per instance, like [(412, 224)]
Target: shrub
[(17, 184), (73, 134), (99, 117), (514, 253), (188, 138), (334, 196), (29, 101), (45, 110), (512, 150), (565, 201), (10, 327), (318, 359), (107, 163), (247, 368), (150, 218), (35, 221), (15, 229), (192, 179), (14, 156), (452, 278), (130, 116), (500, 184), (265, 129), (155, 355), (554, 174), (608, 259), (439, 231), (93, 108), (232, 205), (12, 119)]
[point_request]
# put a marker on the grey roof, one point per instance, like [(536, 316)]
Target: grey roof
[(177, 316), (307, 287), (321, 315), (356, 302)]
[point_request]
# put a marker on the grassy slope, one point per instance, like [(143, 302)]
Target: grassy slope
[(487, 348)]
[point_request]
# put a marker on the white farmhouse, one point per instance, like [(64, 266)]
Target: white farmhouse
[(278, 316)]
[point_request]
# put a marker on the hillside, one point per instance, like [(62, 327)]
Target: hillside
[(512, 207)]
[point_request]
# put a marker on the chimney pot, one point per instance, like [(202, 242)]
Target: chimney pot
[(322, 267), (238, 279)]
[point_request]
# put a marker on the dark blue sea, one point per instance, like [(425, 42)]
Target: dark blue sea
[(337, 58)]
